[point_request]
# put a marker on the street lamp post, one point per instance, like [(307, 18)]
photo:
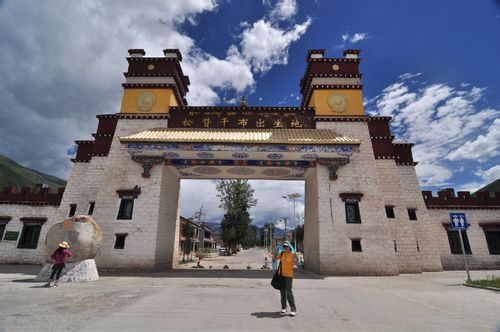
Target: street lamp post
[(294, 198)]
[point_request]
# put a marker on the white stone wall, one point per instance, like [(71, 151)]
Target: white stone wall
[(9, 253), (83, 185), (414, 240), (480, 257), (311, 222), (423, 228), (360, 175), (120, 172), (167, 236)]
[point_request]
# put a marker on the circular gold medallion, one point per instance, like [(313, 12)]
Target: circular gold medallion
[(335, 67), (337, 102), (151, 67), (145, 101)]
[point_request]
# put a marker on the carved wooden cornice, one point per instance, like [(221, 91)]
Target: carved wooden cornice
[(333, 165)]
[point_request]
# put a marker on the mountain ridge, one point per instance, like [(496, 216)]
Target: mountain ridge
[(14, 174)]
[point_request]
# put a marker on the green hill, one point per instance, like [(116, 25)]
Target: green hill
[(13, 174)]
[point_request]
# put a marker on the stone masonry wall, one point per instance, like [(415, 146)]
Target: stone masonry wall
[(9, 253), (424, 229), (122, 173), (403, 233), (167, 237), (359, 176), (311, 222), (480, 258)]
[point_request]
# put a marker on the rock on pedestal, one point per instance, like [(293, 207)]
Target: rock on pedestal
[(76, 271)]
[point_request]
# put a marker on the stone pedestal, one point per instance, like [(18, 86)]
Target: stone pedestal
[(85, 270)]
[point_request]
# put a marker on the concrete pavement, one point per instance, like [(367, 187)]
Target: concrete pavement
[(229, 300)]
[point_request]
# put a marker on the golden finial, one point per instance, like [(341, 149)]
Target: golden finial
[(243, 102)]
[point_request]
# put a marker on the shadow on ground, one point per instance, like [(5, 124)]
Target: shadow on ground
[(272, 314)]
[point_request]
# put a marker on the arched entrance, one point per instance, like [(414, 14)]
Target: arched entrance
[(265, 154)]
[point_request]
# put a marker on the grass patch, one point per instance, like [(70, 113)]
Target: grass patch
[(492, 281)]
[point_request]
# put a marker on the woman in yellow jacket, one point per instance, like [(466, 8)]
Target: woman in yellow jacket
[(287, 260)]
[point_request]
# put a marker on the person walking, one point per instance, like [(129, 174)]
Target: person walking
[(287, 259), (59, 258)]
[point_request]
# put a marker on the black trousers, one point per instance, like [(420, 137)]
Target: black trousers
[(56, 268), (287, 294)]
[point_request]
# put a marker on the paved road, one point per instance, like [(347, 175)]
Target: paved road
[(241, 300), (252, 257)]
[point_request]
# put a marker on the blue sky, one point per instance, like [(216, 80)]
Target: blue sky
[(431, 65)]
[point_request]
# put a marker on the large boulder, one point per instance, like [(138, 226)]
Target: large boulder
[(82, 234)]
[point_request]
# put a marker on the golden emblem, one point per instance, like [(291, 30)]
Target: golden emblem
[(337, 102), (145, 101)]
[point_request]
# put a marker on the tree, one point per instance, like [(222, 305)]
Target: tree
[(236, 198), (298, 234), (251, 236)]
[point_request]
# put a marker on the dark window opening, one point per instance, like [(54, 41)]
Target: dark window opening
[(2, 231), (493, 240), (91, 208), (120, 241), (352, 213), (356, 245), (454, 240), (395, 247), (126, 208), (418, 248), (412, 214), (29, 237), (389, 211), (72, 210)]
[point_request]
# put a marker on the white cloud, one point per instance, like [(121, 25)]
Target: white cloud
[(439, 118), (353, 39), (433, 174), (264, 44), (407, 76), (482, 147), (59, 71), (284, 10), (470, 186), (490, 175)]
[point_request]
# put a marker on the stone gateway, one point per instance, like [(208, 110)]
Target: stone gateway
[(364, 211)]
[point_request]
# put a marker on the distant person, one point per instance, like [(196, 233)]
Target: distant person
[(199, 263), (59, 258), (287, 259)]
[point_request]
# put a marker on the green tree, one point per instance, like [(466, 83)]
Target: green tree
[(250, 239), (236, 198), (298, 234)]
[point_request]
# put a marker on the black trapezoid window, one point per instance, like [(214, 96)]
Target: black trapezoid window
[(126, 208), (351, 201), (72, 210), (389, 211), (91, 208), (356, 245), (29, 236), (454, 240), (412, 214), (127, 197), (352, 213), (2, 231), (493, 241), (120, 241)]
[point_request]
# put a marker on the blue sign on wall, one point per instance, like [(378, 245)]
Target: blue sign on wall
[(458, 221)]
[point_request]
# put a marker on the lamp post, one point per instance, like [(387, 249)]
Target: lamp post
[(294, 198)]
